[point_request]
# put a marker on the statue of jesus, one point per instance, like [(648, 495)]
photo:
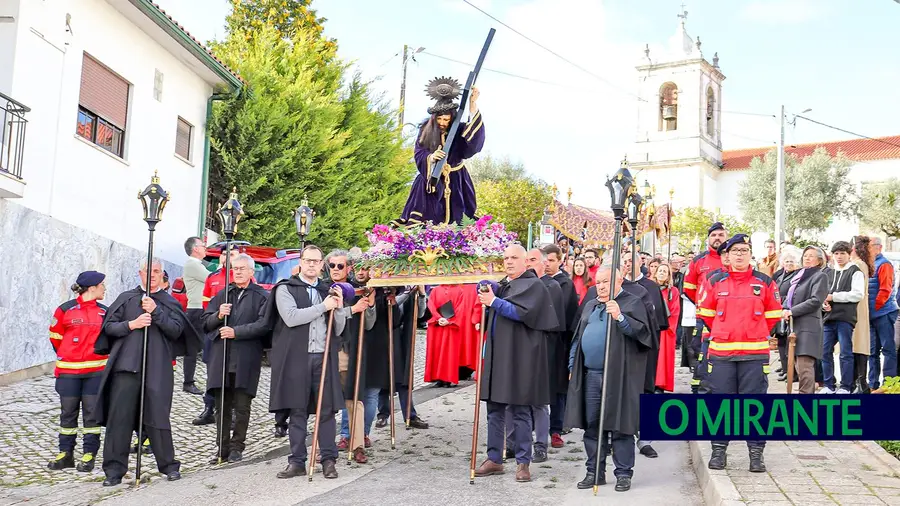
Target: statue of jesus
[(454, 195)]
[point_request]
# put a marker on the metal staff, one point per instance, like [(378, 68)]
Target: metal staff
[(315, 439), (137, 470), (359, 353), (221, 428), (478, 371), (412, 356), (792, 342), (391, 302), (154, 200), (601, 438)]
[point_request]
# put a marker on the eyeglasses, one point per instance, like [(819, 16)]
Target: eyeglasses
[(311, 261), (336, 266), (740, 251)]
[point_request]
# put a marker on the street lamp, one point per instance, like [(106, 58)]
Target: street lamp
[(229, 214), (635, 205), (154, 200), (620, 187), (303, 218)]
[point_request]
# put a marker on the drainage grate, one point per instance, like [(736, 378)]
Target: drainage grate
[(812, 457)]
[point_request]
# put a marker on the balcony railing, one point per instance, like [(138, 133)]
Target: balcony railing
[(12, 140)]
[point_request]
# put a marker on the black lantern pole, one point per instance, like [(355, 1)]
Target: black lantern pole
[(635, 205), (154, 200), (620, 188), (303, 217), (229, 214)]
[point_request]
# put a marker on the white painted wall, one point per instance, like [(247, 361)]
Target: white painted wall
[(8, 44), (81, 184)]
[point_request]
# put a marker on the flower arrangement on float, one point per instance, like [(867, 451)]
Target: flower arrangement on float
[(454, 252)]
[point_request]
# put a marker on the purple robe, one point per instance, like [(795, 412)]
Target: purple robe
[(447, 203)]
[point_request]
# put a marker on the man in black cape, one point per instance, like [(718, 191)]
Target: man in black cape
[(659, 317), (629, 343), (170, 335), (563, 344), (299, 310), (248, 332), (338, 264), (404, 332), (516, 367)]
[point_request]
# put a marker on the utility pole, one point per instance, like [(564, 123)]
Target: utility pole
[(403, 86), (779, 186)]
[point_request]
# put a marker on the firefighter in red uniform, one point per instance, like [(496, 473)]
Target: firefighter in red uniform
[(700, 269), (73, 332), (741, 307)]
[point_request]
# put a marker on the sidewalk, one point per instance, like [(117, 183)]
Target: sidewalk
[(801, 472)]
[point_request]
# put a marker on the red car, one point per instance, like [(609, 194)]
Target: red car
[(272, 264)]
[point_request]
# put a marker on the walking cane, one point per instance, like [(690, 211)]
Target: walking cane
[(412, 356), (478, 371), (315, 439), (221, 428), (391, 302), (792, 342), (359, 354)]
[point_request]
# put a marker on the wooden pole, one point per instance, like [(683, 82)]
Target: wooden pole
[(359, 356), (315, 439), (478, 371), (412, 356), (792, 342), (391, 302)]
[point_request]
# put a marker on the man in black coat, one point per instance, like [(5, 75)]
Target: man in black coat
[(299, 308), (516, 366), (404, 332), (246, 333), (629, 342), (169, 334), (563, 344)]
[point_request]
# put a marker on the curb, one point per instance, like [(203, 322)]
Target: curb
[(882, 455), (716, 486)]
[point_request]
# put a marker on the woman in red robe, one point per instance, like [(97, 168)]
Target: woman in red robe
[(445, 334), (665, 366)]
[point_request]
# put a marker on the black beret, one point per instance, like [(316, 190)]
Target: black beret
[(90, 278), (737, 239), (715, 226)]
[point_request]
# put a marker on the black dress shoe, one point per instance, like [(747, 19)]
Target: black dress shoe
[(381, 422), (214, 461), (292, 471), (328, 469), (112, 482), (623, 484), (235, 456), (539, 456), (207, 417), (173, 476), (588, 481), (649, 452), (280, 431), (418, 423), (192, 389)]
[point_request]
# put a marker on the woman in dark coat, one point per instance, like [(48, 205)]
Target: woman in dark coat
[(803, 301), (790, 265)]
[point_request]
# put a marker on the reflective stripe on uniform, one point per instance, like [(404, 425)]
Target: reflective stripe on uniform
[(66, 431), (689, 285), (705, 312), (766, 369), (54, 335), (695, 382), (774, 314), (709, 367), (81, 365), (739, 346), (92, 430)]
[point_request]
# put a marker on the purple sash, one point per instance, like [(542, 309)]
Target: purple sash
[(789, 300)]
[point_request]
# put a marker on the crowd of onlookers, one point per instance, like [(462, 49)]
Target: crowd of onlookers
[(844, 297)]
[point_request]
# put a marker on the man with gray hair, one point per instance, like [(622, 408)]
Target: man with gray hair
[(248, 332), (169, 334)]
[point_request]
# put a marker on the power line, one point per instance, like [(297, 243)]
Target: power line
[(389, 60), (509, 74), (554, 53), (848, 131)]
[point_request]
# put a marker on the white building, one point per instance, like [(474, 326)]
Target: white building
[(112, 91), (678, 143)]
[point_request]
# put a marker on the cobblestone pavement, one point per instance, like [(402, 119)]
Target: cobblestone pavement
[(29, 417), (801, 472)]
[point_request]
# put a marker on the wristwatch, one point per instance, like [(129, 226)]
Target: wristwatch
[(621, 317)]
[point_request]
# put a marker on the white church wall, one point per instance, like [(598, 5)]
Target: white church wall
[(727, 188)]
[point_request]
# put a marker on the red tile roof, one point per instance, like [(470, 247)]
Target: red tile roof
[(200, 44), (882, 148)]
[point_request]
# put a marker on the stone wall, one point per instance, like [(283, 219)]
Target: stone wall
[(40, 257)]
